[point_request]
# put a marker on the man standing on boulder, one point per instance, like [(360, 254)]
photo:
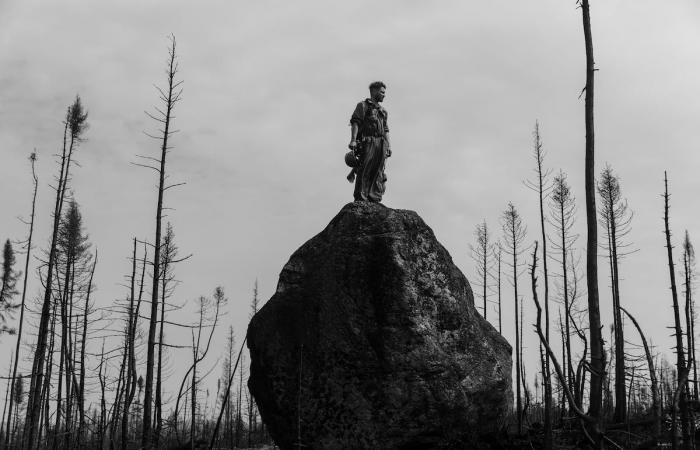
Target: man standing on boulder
[(369, 141)]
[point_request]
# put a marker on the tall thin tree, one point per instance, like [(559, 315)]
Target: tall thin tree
[(514, 232), (28, 252), (689, 270), (562, 217), (75, 125), (498, 256), (481, 253), (597, 365), (679, 396), (169, 97), (542, 187), (8, 283), (168, 282), (617, 218)]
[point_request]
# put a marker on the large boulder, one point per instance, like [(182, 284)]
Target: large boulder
[(372, 341)]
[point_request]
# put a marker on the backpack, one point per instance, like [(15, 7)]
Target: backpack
[(373, 122)]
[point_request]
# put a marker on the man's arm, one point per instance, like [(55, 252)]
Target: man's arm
[(386, 133), (355, 120), (353, 136)]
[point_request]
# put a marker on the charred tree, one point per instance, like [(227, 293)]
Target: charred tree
[(514, 235), (75, 125), (130, 383), (169, 97), (209, 319), (562, 215), (227, 394), (252, 410), (83, 346), (656, 403), (28, 251), (597, 364), (8, 283), (498, 255), (169, 257), (679, 396), (481, 252), (617, 219), (585, 419), (689, 270), (542, 187)]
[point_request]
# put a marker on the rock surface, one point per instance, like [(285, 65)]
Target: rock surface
[(372, 341)]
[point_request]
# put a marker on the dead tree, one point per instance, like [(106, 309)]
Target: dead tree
[(542, 187), (227, 394), (127, 382), (46, 388), (577, 319), (597, 364), (169, 257), (28, 251), (3, 430), (73, 260), (683, 369), (689, 270), (514, 235), (75, 125), (83, 345), (498, 255), (8, 284), (480, 253), (617, 218), (225, 398), (169, 97), (562, 217), (656, 404), (101, 378), (239, 403), (252, 411), (566, 369), (198, 353), (586, 419), (195, 357)]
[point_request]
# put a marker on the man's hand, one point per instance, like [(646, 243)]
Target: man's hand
[(388, 152), (352, 145)]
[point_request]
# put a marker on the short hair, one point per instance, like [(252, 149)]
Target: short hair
[(376, 85)]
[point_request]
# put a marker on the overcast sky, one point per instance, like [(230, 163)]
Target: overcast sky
[(269, 87)]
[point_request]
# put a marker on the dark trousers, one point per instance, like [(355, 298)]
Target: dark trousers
[(370, 179)]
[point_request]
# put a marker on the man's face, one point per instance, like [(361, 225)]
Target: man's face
[(378, 94)]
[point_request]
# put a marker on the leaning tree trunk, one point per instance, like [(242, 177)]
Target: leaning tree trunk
[(656, 405), (546, 372)]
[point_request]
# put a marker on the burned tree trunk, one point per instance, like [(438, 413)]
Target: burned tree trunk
[(540, 185), (32, 158), (596, 339), (656, 404), (617, 218), (75, 125), (514, 234), (170, 98), (679, 397)]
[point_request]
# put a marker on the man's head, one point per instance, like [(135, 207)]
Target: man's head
[(377, 90)]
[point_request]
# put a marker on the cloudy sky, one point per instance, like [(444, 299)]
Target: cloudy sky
[(268, 90)]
